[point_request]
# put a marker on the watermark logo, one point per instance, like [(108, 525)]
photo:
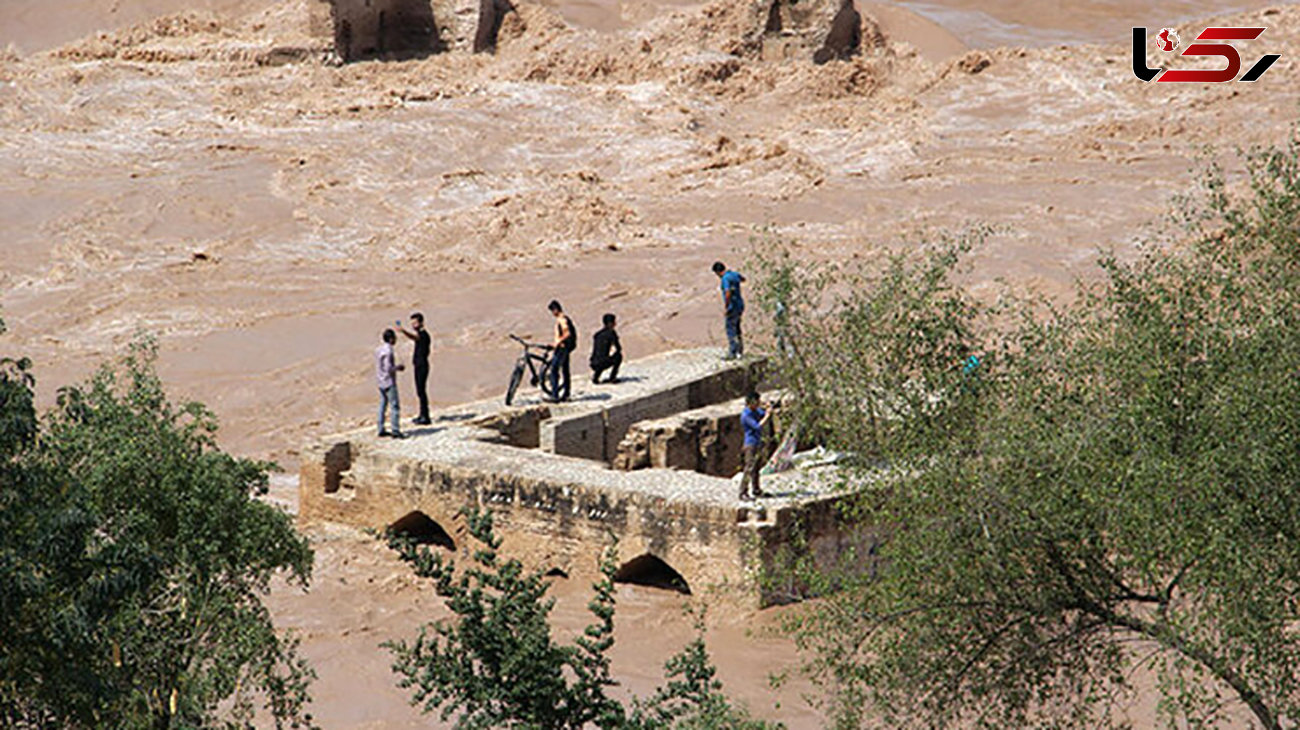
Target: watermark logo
[(1167, 40)]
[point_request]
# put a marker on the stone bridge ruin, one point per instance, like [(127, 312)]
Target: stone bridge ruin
[(646, 462), (378, 27), (781, 29), (397, 28)]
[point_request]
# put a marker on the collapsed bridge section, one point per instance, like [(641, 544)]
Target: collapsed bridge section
[(544, 471)]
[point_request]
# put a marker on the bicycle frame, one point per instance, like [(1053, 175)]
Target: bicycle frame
[(537, 365), (530, 360)]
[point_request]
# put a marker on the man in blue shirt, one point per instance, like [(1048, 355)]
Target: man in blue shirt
[(752, 421), (732, 306)]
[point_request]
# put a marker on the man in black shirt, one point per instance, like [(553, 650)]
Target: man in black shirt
[(606, 352), (566, 341), (423, 343)]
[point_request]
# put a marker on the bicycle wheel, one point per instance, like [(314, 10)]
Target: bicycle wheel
[(515, 378), (544, 379)]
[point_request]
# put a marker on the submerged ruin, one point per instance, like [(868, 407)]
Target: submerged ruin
[(404, 28), (365, 28), (645, 463), (782, 29), (822, 30)]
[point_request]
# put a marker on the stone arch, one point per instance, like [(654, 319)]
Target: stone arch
[(423, 529), (648, 570)]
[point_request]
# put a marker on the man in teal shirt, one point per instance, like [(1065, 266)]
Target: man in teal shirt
[(733, 306)]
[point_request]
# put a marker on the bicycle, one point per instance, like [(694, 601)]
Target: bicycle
[(530, 360)]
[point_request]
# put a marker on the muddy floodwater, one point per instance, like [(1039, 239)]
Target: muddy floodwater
[(362, 595), (264, 216)]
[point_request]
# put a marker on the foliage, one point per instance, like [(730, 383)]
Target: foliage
[(497, 666), (1113, 490), (692, 699), (133, 559), (892, 340)]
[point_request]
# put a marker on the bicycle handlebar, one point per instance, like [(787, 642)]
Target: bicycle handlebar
[(528, 344)]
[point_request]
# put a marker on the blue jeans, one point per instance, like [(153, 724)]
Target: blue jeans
[(735, 345), (560, 367), (388, 396)]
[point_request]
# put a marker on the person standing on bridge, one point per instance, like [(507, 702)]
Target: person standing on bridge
[(420, 359), (386, 369), (733, 306), (566, 341), (752, 421)]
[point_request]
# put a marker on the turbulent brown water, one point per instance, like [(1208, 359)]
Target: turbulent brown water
[(362, 596), (265, 221)]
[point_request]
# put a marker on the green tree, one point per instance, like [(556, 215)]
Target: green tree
[(1117, 485), (497, 666), (133, 558)]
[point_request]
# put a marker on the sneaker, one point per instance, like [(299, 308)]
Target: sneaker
[(594, 380), (383, 434), (421, 421)]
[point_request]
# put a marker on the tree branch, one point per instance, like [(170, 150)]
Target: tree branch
[(1165, 636)]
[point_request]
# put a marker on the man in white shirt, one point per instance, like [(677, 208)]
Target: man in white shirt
[(386, 368)]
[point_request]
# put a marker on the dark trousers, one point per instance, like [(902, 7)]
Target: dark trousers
[(560, 374), (735, 345), (753, 464), (608, 363), (422, 388)]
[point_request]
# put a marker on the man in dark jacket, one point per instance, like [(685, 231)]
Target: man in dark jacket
[(606, 352), (423, 344)]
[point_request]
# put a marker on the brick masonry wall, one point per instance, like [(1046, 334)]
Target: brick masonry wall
[(597, 436), (706, 440)]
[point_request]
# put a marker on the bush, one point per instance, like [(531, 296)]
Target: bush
[(496, 665), (1117, 485), (133, 558)]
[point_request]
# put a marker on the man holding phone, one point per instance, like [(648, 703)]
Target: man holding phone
[(420, 359), (752, 421)]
